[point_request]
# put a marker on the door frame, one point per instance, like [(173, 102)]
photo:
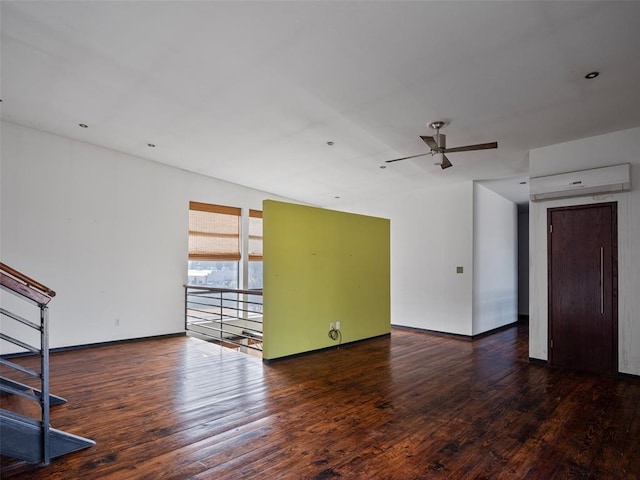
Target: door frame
[(614, 279)]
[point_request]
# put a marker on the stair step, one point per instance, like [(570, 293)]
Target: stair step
[(21, 439), (11, 386)]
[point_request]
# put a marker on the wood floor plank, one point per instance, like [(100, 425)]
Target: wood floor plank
[(409, 406)]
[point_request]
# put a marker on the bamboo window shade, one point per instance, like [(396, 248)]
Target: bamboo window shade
[(255, 236), (214, 232)]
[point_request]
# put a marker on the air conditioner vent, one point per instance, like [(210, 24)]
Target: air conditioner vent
[(615, 178)]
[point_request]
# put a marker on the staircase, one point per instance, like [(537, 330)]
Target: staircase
[(23, 437)]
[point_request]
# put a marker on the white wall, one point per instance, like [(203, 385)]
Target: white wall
[(105, 230), (495, 269), (431, 234), (610, 149), (435, 230)]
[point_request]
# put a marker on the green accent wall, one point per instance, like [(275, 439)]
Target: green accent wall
[(323, 266)]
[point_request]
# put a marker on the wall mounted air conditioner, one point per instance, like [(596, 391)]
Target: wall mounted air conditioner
[(616, 178)]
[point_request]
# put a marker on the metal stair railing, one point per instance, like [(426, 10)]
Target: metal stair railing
[(225, 315), (20, 436)]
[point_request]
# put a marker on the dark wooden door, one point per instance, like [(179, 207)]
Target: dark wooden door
[(582, 251)]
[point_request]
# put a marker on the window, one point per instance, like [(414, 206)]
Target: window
[(214, 245), (255, 250), (215, 239)]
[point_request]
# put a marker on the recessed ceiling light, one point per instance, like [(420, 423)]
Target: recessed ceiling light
[(152, 145), (591, 75), (383, 166), (523, 183), (337, 197), (330, 143), (83, 125)]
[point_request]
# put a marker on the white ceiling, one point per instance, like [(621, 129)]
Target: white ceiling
[(251, 92)]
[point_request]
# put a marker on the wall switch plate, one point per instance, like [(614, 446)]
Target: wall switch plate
[(459, 269), (331, 326), (337, 325)]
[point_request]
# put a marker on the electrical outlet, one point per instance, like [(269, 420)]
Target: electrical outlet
[(337, 325), (331, 326), (117, 322)]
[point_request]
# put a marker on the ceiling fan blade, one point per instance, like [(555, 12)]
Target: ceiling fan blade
[(445, 163), (406, 158), (468, 148), (429, 141)]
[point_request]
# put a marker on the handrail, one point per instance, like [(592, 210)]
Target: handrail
[(28, 281), (31, 439), (256, 291), (19, 284), (228, 316), (23, 290)]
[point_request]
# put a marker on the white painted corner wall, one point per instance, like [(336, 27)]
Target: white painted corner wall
[(592, 152), (435, 230), (107, 231), (495, 260), (431, 234)]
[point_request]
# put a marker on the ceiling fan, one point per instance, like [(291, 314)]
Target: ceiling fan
[(438, 146)]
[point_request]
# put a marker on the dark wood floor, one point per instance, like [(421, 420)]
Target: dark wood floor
[(412, 406)]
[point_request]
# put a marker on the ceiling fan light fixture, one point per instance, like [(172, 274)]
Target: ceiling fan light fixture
[(438, 124), (592, 75), (438, 159)]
